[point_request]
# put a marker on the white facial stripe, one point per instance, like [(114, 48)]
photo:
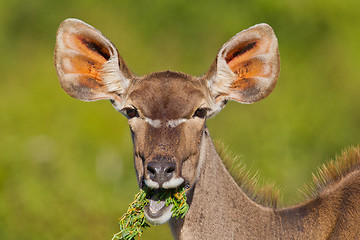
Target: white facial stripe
[(174, 122), (151, 184), (173, 183), (156, 123), (153, 122)]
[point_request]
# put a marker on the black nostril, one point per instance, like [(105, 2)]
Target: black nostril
[(151, 169), (160, 171), (170, 169)]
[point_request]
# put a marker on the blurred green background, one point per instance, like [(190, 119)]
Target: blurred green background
[(66, 166)]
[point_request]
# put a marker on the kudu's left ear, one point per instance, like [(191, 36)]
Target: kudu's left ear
[(87, 63), (246, 67)]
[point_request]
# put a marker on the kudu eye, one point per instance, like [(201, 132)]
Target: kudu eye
[(200, 113), (131, 112)]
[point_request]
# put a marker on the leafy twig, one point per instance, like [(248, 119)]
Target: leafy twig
[(132, 223)]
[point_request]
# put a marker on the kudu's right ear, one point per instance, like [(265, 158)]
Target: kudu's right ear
[(87, 63), (246, 68)]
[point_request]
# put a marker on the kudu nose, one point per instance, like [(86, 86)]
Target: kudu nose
[(160, 171)]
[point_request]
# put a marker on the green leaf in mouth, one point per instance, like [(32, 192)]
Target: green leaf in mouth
[(133, 223)]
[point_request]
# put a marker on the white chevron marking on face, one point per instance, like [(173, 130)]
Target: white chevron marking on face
[(175, 122), (156, 123), (153, 122)]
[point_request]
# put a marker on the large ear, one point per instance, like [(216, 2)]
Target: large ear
[(87, 63), (246, 68)]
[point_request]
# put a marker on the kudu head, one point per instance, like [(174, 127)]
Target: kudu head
[(166, 111)]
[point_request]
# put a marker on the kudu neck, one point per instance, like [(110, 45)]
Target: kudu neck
[(217, 198)]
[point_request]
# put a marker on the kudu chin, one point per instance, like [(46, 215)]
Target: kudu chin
[(166, 112)]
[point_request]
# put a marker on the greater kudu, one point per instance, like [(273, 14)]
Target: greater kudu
[(167, 111)]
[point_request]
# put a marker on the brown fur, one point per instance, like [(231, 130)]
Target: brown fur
[(326, 176), (167, 114), (268, 195), (334, 214), (331, 173)]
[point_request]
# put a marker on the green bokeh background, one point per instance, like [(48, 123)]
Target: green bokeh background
[(66, 166)]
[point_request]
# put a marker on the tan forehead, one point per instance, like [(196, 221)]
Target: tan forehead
[(167, 95)]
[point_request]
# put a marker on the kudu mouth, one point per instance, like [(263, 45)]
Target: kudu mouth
[(163, 173), (156, 211)]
